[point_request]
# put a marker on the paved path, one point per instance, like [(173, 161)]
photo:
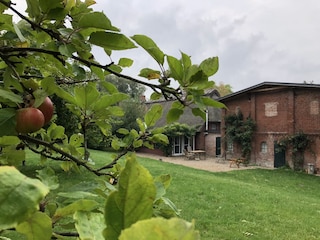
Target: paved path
[(210, 164)]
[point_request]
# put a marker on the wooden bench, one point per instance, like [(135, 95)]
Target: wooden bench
[(236, 161)]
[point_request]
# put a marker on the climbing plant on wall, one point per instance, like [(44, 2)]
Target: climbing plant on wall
[(240, 131), (298, 142)]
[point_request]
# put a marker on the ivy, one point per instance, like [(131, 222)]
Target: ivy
[(240, 131), (298, 142), (175, 130)]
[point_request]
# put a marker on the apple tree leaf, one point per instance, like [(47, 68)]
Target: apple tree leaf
[(161, 229), (150, 46), (132, 202), (19, 197), (153, 115), (89, 225), (37, 227), (111, 40)]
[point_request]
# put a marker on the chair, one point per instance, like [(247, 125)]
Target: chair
[(188, 155)]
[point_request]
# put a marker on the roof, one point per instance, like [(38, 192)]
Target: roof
[(269, 86), (214, 114)]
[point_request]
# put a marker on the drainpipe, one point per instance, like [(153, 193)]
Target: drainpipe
[(207, 116)]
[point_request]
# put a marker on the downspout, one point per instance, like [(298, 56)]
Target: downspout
[(207, 121), (206, 130)]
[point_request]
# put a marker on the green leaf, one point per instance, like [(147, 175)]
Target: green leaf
[(155, 96), (49, 85), (111, 88), (8, 95), (164, 179), (142, 125), (76, 140), (137, 143), (109, 100), (19, 197), (186, 60), (3, 65), (153, 115), (11, 156), (86, 96), (176, 69), (174, 114), (161, 229), (132, 202), (55, 132), (98, 72), (123, 131), (33, 8), (37, 227), (80, 205), (198, 80), (111, 41), (150, 73), (89, 225), (48, 177), (212, 103), (18, 32), (149, 45), (96, 20), (77, 194), (125, 62), (199, 112), (9, 140), (160, 138), (67, 49), (46, 6), (210, 66), (7, 121)]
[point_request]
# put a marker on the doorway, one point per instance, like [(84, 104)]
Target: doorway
[(218, 146), (279, 156)]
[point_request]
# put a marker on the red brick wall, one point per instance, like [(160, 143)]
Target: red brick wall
[(279, 113), (307, 111)]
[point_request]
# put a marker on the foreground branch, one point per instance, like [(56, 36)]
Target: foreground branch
[(79, 162)]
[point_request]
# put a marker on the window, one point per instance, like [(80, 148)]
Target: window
[(264, 147), (214, 127)]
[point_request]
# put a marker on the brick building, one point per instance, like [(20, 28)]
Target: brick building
[(279, 110)]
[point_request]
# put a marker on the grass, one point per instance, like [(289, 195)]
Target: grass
[(255, 204)]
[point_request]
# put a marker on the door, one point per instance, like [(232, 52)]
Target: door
[(218, 146), (180, 143), (177, 146), (279, 156)]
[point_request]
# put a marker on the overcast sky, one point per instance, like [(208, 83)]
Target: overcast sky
[(255, 40)]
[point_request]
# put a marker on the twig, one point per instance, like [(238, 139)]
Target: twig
[(79, 162)]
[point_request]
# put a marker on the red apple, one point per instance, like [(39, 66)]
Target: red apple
[(29, 120), (47, 109)]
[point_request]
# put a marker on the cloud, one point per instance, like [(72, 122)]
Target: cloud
[(255, 41)]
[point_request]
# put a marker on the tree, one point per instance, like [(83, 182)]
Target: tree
[(133, 89), (224, 89), (49, 52)]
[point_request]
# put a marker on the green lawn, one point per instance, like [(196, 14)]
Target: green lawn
[(255, 204)]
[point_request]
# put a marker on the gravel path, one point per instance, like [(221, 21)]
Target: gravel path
[(210, 164)]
